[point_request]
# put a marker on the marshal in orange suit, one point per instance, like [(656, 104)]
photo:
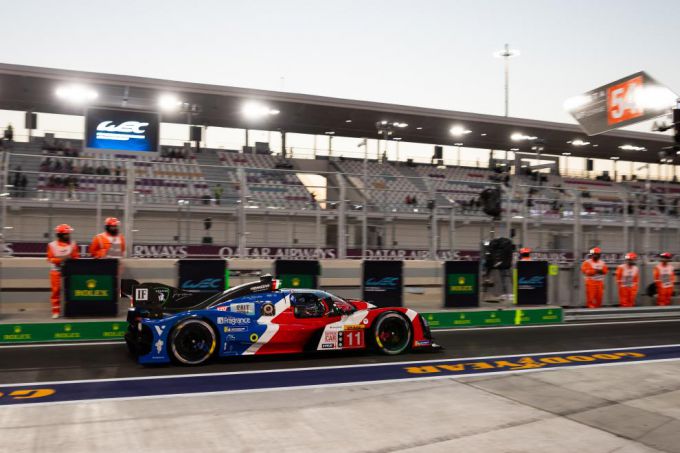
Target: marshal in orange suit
[(594, 270), (664, 277), (57, 252), (628, 280)]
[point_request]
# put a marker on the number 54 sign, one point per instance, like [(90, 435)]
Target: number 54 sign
[(623, 102)]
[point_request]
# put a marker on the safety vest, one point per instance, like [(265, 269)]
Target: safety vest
[(627, 276), (589, 266), (106, 246), (58, 251), (664, 275)]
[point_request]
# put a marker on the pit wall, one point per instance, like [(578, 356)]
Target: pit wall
[(24, 283)]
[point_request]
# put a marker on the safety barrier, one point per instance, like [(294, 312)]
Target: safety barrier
[(115, 329)]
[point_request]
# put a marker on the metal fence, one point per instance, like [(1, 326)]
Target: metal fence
[(360, 205)]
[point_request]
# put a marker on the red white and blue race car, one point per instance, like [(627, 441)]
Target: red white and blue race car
[(258, 318)]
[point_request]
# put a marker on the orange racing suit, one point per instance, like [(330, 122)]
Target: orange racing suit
[(106, 246), (594, 281), (627, 279), (664, 277), (57, 252)]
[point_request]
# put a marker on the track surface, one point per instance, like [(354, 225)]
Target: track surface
[(75, 362)]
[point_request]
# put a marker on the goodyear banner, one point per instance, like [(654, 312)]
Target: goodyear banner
[(461, 284), (90, 287), (297, 273), (383, 282), (532, 283)]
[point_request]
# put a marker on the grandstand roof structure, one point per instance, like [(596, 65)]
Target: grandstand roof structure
[(29, 88)]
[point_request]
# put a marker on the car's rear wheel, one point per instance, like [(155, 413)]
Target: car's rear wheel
[(392, 333), (192, 342)]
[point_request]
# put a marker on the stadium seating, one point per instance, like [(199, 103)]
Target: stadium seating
[(265, 185)]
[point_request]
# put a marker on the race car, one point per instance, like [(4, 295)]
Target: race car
[(168, 325)]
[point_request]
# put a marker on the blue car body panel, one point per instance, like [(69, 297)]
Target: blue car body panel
[(238, 329)]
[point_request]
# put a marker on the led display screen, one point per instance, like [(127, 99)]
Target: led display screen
[(121, 130)]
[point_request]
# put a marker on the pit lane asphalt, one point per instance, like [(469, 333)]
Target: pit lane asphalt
[(106, 361)]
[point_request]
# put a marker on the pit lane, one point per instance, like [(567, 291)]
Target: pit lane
[(72, 362)]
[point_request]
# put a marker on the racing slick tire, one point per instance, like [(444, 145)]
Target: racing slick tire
[(391, 334), (192, 342)]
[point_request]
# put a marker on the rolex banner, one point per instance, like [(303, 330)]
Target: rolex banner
[(461, 284), (532, 283), (297, 273), (90, 287), (383, 283)]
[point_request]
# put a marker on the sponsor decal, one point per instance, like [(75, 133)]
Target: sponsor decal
[(159, 346), (232, 321), (523, 363), (354, 326), (243, 308), (461, 283), (127, 130), (159, 330), (16, 335), (254, 337), (234, 329), (364, 321), (67, 333), (24, 394), (263, 287), (327, 346), (222, 308), (160, 251), (423, 343), (114, 332), (388, 282), (206, 283), (268, 309), (141, 294), (90, 287), (163, 294), (535, 282)]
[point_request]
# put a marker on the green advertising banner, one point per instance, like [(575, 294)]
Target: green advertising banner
[(58, 331), (481, 318), (461, 283), (90, 287), (297, 281), (115, 330)]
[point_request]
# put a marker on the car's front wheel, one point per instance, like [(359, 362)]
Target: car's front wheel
[(392, 333), (192, 342)]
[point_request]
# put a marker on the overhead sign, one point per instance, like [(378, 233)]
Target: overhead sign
[(121, 130), (623, 102)]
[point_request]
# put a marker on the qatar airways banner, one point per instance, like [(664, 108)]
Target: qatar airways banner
[(26, 249), (125, 131)]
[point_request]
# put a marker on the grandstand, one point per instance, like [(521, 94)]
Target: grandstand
[(366, 203)]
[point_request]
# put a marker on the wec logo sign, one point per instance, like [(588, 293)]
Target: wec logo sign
[(124, 131)]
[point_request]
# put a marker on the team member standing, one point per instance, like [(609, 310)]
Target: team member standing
[(59, 251), (525, 254), (594, 270), (110, 243), (628, 279), (664, 277)]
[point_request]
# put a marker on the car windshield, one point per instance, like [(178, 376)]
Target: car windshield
[(342, 305)]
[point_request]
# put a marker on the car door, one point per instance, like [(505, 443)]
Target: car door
[(301, 325)]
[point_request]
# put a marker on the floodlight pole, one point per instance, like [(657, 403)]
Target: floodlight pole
[(506, 54)]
